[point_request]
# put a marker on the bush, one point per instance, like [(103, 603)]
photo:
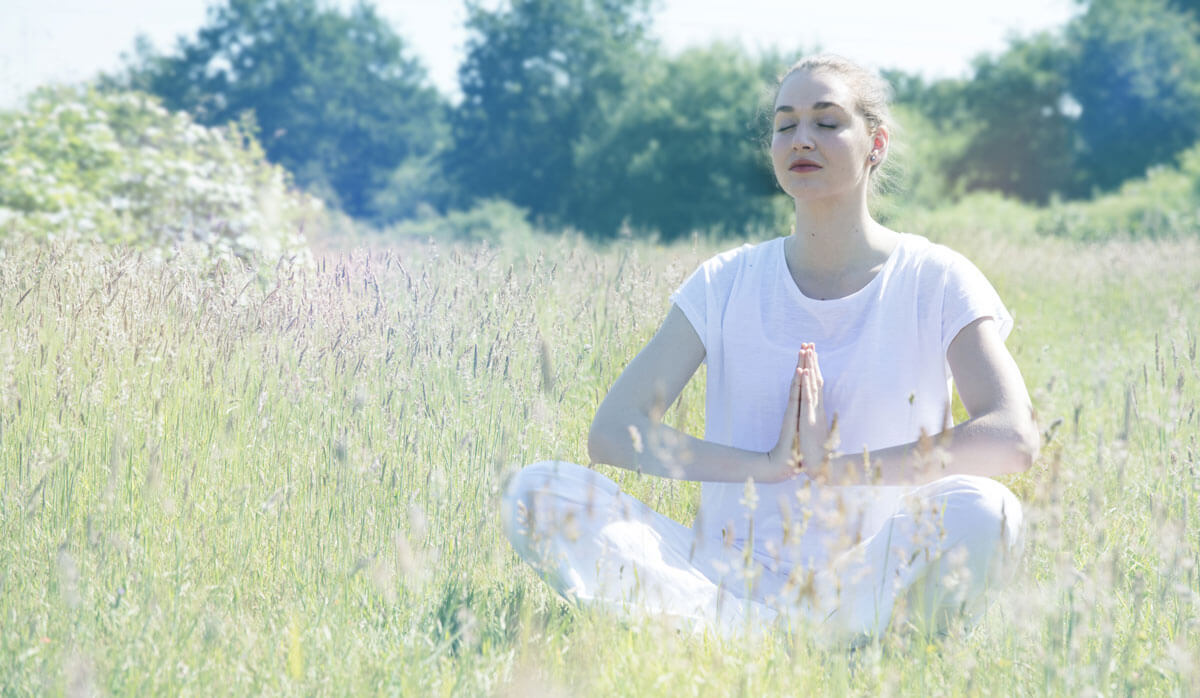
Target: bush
[(979, 214), (118, 168), (1162, 204), (495, 220)]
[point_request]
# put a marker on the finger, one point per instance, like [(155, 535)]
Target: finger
[(794, 397), (814, 397), (815, 365), (791, 417), (807, 406), (799, 365)]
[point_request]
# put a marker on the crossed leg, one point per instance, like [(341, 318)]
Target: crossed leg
[(942, 548), (598, 546)]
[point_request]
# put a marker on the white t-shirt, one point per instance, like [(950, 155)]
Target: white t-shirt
[(883, 357)]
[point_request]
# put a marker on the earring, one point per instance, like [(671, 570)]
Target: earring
[(874, 157)]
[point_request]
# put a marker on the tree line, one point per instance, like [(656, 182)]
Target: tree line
[(570, 110)]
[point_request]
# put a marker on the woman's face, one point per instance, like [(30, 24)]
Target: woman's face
[(821, 145)]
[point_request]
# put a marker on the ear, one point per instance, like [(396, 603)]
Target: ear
[(879, 141)]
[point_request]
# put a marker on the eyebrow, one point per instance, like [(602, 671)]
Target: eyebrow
[(817, 106)]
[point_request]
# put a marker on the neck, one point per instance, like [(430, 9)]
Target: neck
[(837, 248), (831, 236)]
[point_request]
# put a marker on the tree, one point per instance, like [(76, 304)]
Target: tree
[(1190, 6), (337, 100), (1021, 122), (1008, 128), (683, 150), (534, 79), (1073, 112), (1135, 74)]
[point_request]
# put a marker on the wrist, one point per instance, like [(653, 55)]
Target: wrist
[(763, 468), (831, 468), (774, 468)]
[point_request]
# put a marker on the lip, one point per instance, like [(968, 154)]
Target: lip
[(804, 165)]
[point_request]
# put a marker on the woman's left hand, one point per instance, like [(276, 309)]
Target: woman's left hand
[(813, 428)]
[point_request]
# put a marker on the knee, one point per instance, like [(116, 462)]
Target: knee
[(516, 502), (549, 477), (979, 511), (982, 524), (539, 475), (535, 491)]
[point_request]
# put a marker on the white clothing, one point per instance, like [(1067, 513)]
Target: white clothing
[(836, 556), (882, 352), (940, 549)]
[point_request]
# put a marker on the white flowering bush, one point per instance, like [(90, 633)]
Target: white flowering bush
[(78, 164)]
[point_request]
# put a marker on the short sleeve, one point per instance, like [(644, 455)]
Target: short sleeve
[(702, 296), (969, 296), (692, 299)]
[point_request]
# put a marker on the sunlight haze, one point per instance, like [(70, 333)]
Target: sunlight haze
[(70, 40)]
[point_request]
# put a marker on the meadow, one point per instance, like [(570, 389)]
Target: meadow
[(237, 483)]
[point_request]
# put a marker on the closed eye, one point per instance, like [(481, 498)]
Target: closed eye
[(789, 127)]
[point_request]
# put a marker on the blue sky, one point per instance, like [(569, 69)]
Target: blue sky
[(69, 40)]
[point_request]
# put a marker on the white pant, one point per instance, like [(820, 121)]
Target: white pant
[(942, 547)]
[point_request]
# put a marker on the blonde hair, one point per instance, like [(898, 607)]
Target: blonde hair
[(872, 100)]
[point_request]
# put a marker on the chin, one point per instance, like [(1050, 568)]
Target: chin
[(818, 191), (812, 193)]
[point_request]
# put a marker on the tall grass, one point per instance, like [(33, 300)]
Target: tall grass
[(216, 484)]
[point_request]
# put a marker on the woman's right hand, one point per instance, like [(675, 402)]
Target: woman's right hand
[(784, 461)]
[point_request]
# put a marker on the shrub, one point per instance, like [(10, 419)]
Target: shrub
[(978, 214), (495, 220), (117, 168), (1161, 204)]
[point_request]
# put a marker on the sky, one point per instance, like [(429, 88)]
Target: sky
[(70, 40)]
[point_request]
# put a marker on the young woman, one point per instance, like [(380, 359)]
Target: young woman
[(842, 333)]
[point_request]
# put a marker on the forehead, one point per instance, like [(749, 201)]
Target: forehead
[(803, 89)]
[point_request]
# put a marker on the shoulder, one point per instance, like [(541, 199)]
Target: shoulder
[(965, 294), (919, 250), (732, 262), (933, 260)]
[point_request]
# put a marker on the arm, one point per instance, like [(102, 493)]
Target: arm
[(627, 430), (1000, 437)]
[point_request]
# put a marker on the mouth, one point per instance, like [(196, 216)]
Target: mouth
[(804, 165)]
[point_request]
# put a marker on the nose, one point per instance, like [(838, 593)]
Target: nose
[(802, 138)]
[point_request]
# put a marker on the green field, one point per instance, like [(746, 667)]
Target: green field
[(218, 484)]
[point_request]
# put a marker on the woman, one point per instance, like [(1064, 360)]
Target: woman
[(844, 332)]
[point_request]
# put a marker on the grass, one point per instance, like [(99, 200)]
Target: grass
[(216, 484)]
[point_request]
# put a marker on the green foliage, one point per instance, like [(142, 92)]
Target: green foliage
[(570, 113), (1136, 77), (538, 75), (574, 115), (79, 164), (340, 104), (979, 213), (682, 150), (1021, 140), (920, 152), (1007, 129), (416, 187), (1192, 7), (495, 220), (1073, 112), (1164, 203)]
